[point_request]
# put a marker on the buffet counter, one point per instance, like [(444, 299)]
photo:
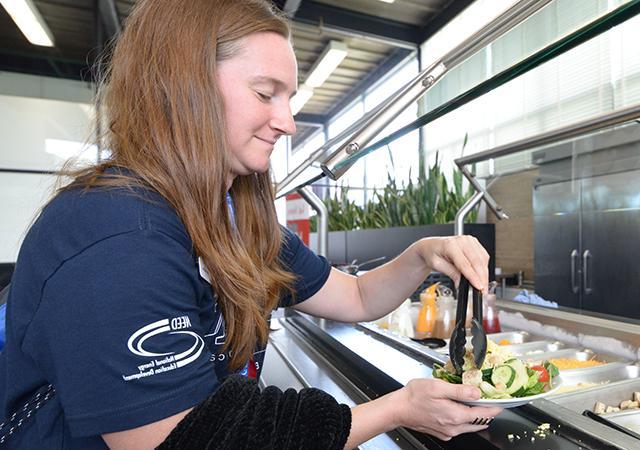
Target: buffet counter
[(358, 362)]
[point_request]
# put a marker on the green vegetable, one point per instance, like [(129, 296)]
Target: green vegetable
[(536, 389), (442, 374), (503, 374), (552, 369), (533, 378), (490, 391), (521, 378)]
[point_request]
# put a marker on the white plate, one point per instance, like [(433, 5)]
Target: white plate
[(517, 401)]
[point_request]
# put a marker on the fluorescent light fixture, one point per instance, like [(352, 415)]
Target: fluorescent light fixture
[(387, 1), (25, 14), (331, 57), (302, 96)]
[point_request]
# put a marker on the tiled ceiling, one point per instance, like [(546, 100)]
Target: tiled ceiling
[(379, 36)]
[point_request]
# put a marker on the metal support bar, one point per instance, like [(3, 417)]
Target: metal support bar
[(575, 129), (481, 193), (344, 152), (28, 171), (346, 155), (458, 227), (318, 154), (323, 218), (588, 31), (491, 203)]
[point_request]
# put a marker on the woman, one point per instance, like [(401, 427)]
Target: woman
[(150, 278)]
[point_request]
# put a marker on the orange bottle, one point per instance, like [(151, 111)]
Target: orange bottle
[(428, 312)]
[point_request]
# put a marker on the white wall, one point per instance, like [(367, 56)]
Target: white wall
[(43, 121)]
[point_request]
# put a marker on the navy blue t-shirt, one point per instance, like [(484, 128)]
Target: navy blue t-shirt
[(109, 305)]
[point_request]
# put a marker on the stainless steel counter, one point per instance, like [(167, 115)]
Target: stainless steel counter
[(356, 362)]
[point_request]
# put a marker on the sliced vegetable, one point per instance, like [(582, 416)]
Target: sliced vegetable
[(533, 378), (543, 373), (552, 369), (491, 392), (503, 374), (522, 377)]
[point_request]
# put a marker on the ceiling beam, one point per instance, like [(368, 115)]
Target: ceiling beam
[(41, 64), (109, 15), (310, 119), (352, 22)]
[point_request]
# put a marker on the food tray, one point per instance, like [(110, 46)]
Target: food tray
[(572, 353), (609, 394), (605, 374), (630, 419), (535, 346), (515, 337)]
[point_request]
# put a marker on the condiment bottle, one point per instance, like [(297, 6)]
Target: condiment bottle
[(446, 317), (427, 315), (490, 320)]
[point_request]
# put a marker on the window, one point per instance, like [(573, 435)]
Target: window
[(598, 76)]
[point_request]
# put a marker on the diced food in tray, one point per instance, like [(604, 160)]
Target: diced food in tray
[(633, 403), (574, 359), (623, 382)]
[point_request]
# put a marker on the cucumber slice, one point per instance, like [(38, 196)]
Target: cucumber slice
[(491, 392), (488, 390), (522, 377), (503, 374)]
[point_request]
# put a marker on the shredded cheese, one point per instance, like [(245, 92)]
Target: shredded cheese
[(568, 363)]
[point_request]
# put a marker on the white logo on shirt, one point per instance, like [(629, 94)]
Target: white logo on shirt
[(163, 362)]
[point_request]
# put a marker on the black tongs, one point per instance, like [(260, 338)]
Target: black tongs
[(459, 338)]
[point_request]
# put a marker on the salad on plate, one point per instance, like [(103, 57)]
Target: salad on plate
[(502, 375)]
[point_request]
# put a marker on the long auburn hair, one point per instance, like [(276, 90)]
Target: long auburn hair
[(166, 124)]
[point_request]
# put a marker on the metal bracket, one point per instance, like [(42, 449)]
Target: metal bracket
[(323, 218)]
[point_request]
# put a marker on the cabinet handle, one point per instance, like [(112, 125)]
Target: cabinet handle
[(574, 286), (585, 271)]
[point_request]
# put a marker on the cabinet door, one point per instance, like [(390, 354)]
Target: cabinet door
[(556, 242), (611, 244)]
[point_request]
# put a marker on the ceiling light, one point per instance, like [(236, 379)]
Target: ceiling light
[(331, 57), (388, 1), (301, 97), (25, 14)]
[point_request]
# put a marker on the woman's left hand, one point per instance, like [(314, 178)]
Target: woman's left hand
[(453, 255)]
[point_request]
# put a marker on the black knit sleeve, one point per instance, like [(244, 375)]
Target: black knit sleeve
[(239, 416)]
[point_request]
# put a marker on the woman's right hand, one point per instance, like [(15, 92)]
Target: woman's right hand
[(432, 406)]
